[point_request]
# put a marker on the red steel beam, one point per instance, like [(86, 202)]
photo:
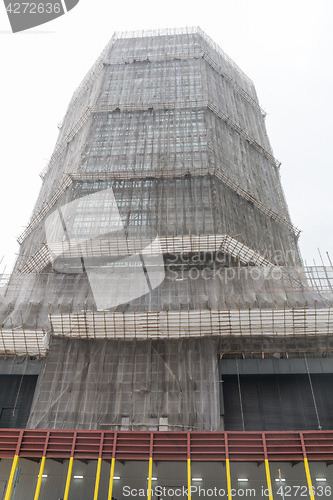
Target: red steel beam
[(288, 446)]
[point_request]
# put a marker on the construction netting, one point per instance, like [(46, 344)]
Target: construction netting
[(181, 285), (162, 108), (135, 385), (170, 208), (162, 194), (161, 219)]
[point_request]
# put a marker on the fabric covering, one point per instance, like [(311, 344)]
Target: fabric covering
[(129, 385)]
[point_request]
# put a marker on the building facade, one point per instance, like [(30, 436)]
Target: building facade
[(159, 312)]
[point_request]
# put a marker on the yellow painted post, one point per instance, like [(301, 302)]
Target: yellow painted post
[(189, 481), (98, 476), (227, 467), (113, 461), (69, 475), (150, 473), (40, 477), (11, 477), (308, 477), (268, 478)]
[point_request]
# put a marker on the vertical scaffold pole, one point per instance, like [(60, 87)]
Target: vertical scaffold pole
[(306, 467), (14, 466), (113, 462)]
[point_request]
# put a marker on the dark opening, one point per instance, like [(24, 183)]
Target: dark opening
[(277, 402), (16, 394)]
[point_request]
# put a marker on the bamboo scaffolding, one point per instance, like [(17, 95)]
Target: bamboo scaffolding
[(100, 248), (40, 215), (130, 107), (23, 342), (184, 31), (195, 323), (86, 324), (141, 174), (199, 54)]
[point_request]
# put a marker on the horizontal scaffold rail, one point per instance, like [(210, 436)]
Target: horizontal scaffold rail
[(134, 107), (278, 446), (119, 61), (100, 248), (193, 323)]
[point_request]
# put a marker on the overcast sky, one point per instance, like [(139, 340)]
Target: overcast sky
[(285, 47)]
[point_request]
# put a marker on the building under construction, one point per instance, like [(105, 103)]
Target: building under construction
[(159, 327)]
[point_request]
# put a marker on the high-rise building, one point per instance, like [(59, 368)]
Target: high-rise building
[(159, 309)]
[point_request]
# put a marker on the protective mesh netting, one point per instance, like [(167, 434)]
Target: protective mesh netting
[(188, 284), (129, 385), (164, 136)]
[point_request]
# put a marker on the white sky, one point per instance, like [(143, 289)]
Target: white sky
[(285, 47)]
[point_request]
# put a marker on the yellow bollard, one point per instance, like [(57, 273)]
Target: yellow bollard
[(308, 477), (69, 475), (189, 481), (40, 477), (113, 461), (227, 466), (11, 477), (150, 473), (98, 476), (268, 478)]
